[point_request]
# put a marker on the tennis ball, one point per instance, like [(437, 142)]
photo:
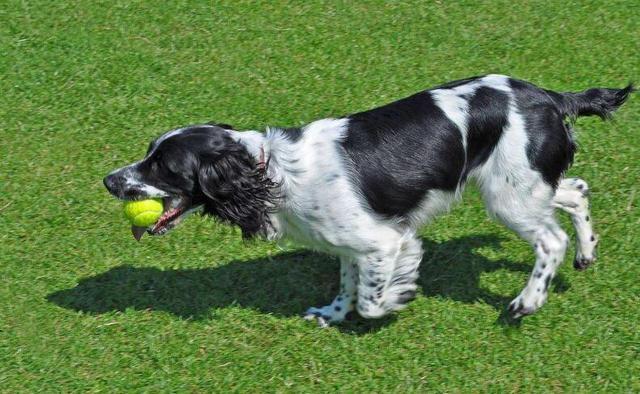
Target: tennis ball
[(143, 213)]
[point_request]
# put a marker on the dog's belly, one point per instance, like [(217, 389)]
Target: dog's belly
[(323, 210), (335, 224)]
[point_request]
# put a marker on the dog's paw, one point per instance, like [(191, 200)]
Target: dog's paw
[(315, 314), (582, 263), (517, 308), (527, 305), (327, 315)]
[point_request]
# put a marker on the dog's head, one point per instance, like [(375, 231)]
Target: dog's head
[(197, 168)]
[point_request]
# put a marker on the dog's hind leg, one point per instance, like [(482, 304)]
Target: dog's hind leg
[(571, 197), (388, 276), (345, 300), (549, 244), (527, 208)]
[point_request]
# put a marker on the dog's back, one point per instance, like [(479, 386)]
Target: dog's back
[(434, 139)]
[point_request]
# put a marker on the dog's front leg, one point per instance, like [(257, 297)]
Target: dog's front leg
[(345, 300), (387, 278), (376, 271)]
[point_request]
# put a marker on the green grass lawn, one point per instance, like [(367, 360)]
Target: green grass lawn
[(83, 307)]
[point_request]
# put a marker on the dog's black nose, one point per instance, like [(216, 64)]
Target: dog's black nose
[(113, 183)]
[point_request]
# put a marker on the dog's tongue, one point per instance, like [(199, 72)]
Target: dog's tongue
[(138, 232)]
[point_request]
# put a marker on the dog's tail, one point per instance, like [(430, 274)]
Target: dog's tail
[(597, 101)]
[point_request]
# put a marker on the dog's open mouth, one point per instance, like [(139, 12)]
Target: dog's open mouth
[(174, 210)]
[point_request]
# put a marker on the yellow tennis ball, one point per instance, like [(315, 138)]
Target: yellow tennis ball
[(143, 213)]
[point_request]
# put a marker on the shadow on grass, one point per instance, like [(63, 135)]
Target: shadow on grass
[(285, 285)]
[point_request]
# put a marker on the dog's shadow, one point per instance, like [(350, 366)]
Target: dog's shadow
[(285, 285)]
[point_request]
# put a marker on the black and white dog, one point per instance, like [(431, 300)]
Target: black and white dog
[(359, 186)]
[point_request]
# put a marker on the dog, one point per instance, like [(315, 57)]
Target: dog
[(359, 186)]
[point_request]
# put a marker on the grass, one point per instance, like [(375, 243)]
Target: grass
[(83, 307)]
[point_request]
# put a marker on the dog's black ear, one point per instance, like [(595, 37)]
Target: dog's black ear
[(223, 125), (236, 189)]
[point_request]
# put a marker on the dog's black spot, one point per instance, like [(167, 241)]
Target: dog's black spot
[(593, 239), (551, 147), (337, 308), (544, 265), (580, 186), (331, 177), (586, 218), (488, 114), (339, 299), (402, 150), (545, 248), (372, 284), (538, 274), (547, 281)]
